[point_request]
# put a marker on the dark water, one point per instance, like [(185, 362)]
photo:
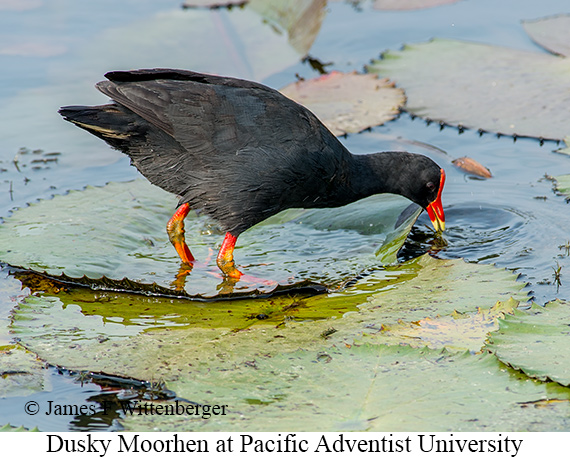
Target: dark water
[(51, 54)]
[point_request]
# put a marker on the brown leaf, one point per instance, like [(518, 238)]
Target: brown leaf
[(348, 102), (471, 166)]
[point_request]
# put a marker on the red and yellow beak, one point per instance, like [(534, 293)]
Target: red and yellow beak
[(435, 208)]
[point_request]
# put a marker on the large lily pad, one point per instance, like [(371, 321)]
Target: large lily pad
[(376, 388), (457, 83), (440, 287), (348, 102), (536, 341), (271, 370), (409, 4), (89, 323), (455, 332), (21, 373), (552, 33), (118, 231)]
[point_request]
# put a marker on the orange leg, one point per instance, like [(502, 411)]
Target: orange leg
[(175, 230), (225, 258)]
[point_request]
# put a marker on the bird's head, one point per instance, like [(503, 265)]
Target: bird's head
[(435, 207), (422, 181)]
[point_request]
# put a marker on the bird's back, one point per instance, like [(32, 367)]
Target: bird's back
[(238, 150)]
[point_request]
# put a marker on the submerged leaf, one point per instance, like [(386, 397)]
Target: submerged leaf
[(348, 102), (536, 341), (483, 87), (552, 33), (118, 231), (300, 19)]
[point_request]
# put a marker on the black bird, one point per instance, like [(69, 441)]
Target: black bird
[(241, 152)]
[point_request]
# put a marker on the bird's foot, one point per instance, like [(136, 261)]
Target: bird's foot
[(246, 283), (175, 230)]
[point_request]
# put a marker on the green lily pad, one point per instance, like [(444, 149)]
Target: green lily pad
[(21, 373), (348, 102), (456, 83), (213, 3), (300, 20), (562, 184), (90, 323), (536, 341), (566, 148), (439, 287), (276, 373), (552, 33), (365, 388), (12, 428), (118, 231), (409, 4), (455, 332)]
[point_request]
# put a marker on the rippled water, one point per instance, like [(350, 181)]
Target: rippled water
[(52, 55), (514, 220)]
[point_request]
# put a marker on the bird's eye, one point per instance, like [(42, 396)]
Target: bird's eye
[(430, 186)]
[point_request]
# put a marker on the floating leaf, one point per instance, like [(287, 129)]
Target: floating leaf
[(536, 341), (11, 428), (348, 102), (300, 19), (270, 371), (566, 149), (552, 33), (456, 332), (457, 82), (213, 3), (439, 287), (471, 166), (562, 184), (409, 4), (80, 329), (21, 373), (365, 388), (118, 231)]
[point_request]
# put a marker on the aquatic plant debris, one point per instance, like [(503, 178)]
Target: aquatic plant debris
[(472, 167), (457, 83), (348, 102)]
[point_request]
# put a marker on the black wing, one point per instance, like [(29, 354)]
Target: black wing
[(237, 149)]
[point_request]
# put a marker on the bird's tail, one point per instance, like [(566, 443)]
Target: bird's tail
[(108, 122)]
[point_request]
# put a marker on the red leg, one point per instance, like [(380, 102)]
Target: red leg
[(175, 230), (225, 258)]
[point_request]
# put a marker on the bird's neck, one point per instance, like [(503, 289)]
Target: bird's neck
[(376, 174)]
